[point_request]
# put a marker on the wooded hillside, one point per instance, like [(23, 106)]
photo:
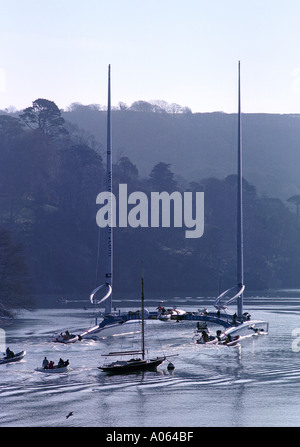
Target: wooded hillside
[(51, 171)]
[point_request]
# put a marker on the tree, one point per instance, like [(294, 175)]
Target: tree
[(295, 200), (163, 106), (45, 116), (141, 106), (127, 171), (162, 178), (10, 127), (122, 106), (14, 274)]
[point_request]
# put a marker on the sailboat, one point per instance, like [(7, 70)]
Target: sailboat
[(135, 363), (113, 322), (241, 323)]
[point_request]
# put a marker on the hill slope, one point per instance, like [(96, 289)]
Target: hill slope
[(204, 145)]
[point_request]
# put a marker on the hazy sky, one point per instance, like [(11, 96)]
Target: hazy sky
[(180, 51)]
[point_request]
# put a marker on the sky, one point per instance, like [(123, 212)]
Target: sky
[(180, 51)]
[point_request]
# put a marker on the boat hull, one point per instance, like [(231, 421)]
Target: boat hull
[(232, 342), (114, 329), (54, 370), (16, 358), (166, 317), (133, 365), (248, 329), (61, 339), (210, 341)]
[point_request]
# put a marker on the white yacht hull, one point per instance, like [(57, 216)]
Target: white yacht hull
[(114, 329), (249, 329)]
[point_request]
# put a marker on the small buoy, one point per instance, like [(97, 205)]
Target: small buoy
[(171, 366)]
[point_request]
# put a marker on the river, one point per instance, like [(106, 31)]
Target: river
[(254, 384)]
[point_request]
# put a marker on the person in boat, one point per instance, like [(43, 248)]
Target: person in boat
[(51, 364), (159, 310), (9, 354), (205, 336), (61, 363), (228, 338), (67, 335), (219, 334), (45, 364)]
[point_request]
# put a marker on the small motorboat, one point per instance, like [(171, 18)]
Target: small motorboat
[(176, 314), (230, 341), (164, 317), (227, 339), (205, 338), (209, 340), (169, 314), (67, 338), (15, 358), (61, 367)]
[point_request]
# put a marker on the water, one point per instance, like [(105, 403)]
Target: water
[(255, 384)]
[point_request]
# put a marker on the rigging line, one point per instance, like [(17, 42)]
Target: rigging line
[(97, 273), (230, 170), (231, 163), (159, 340), (98, 259)]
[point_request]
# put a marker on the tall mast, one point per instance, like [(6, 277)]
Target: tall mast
[(240, 242), (143, 320), (109, 259)]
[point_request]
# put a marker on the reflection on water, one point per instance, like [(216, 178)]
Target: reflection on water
[(252, 384)]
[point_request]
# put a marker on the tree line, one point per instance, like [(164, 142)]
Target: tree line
[(155, 106)]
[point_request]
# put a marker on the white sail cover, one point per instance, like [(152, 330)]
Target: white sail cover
[(107, 295)]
